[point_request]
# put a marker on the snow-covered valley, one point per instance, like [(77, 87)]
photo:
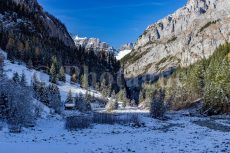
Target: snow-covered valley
[(180, 133)]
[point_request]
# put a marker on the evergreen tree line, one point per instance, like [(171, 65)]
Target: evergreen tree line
[(208, 81)]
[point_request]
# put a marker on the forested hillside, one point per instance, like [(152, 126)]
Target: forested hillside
[(206, 81), (29, 34)]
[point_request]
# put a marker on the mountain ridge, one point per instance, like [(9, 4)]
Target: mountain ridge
[(180, 39), (93, 43)]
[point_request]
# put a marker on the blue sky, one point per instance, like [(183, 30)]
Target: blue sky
[(114, 21)]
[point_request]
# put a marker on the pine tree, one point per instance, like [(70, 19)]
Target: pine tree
[(55, 63), (84, 81), (69, 99), (53, 74), (215, 99), (54, 98), (122, 96), (157, 108), (223, 75), (196, 81), (62, 74)]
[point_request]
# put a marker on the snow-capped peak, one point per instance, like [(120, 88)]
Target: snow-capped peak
[(93, 43)]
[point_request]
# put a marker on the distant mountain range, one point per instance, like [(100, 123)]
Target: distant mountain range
[(94, 44), (97, 45)]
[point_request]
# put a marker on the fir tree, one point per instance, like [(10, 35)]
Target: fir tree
[(122, 96), (157, 108), (62, 74), (53, 74), (54, 98), (84, 81), (69, 99), (55, 63)]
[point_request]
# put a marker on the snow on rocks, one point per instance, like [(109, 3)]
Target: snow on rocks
[(122, 54)]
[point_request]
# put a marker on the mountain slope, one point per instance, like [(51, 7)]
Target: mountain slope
[(30, 34), (190, 34), (16, 14)]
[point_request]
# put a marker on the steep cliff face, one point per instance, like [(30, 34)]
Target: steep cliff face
[(191, 33)]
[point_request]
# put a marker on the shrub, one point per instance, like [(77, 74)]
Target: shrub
[(124, 119), (104, 118), (157, 106), (82, 104), (77, 122)]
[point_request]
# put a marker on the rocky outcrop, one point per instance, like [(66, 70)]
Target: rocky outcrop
[(94, 44), (128, 46), (180, 39)]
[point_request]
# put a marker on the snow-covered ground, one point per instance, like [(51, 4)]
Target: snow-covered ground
[(179, 134), (122, 54), (11, 68)]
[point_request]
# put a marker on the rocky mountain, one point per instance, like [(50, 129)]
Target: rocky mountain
[(94, 44), (28, 33), (52, 27), (180, 39)]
